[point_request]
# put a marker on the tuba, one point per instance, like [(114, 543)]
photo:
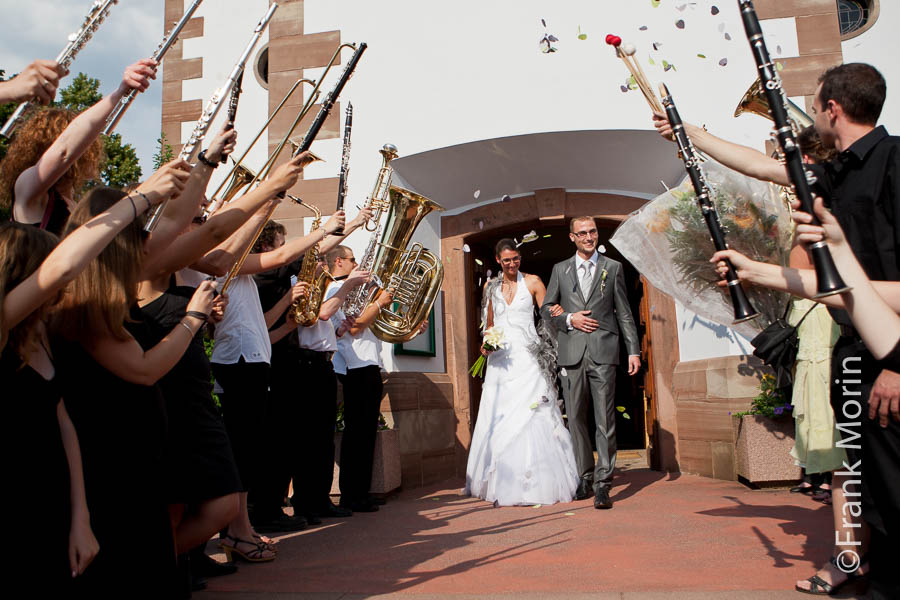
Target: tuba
[(413, 275), (754, 101), (305, 311)]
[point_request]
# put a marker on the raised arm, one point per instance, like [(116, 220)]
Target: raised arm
[(166, 244), (742, 159), (81, 246), (127, 360), (33, 184), (334, 303), (266, 261)]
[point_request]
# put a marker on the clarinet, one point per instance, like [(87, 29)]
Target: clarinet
[(329, 101), (743, 310), (827, 277), (345, 164), (233, 106), (167, 42), (77, 40), (212, 108)]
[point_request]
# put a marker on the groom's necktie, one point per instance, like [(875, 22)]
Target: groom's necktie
[(587, 277)]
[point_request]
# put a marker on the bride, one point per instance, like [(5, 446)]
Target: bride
[(521, 452)]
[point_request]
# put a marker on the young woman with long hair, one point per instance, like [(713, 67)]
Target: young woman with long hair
[(56, 152), (33, 271)]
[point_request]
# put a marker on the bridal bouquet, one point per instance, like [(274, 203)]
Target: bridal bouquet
[(493, 340)]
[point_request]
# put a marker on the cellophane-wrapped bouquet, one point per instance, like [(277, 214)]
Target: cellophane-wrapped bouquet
[(668, 242)]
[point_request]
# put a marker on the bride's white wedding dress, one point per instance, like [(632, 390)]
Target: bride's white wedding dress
[(521, 452)]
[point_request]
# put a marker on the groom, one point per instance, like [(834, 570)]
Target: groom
[(590, 288)]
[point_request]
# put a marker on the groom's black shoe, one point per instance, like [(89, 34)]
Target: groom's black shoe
[(585, 490), (601, 500)]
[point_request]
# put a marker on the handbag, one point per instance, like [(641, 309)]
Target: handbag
[(777, 345)]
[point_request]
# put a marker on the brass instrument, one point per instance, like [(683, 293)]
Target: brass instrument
[(755, 102), (96, 15), (307, 141), (378, 202), (413, 275), (238, 175), (305, 311)]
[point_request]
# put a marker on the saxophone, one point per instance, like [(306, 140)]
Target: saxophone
[(305, 311)]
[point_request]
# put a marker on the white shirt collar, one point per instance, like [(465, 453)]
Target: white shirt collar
[(595, 257)]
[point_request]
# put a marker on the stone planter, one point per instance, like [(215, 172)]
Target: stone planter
[(762, 449), (385, 466)]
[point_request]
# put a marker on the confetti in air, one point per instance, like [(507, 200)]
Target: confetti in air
[(728, 36), (466, 248), (478, 262), (643, 28), (679, 23), (714, 10), (476, 194), (701, 55), (581, 35), (546, 43), (723, 62), (654, 3)]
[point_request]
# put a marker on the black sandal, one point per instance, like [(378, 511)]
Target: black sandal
[(820, 587)]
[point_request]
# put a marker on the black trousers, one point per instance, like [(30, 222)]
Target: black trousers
[(312, 458), (362, 398), (244, 404), (853, 372)]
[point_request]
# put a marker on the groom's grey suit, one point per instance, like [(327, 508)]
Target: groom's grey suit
[(589, 360)]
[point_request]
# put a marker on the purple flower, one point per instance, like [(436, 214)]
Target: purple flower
[(779, 410)]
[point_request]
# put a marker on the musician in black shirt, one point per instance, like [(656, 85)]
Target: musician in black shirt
[(862, 187)]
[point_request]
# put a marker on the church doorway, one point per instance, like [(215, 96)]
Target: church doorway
[(550, 246)]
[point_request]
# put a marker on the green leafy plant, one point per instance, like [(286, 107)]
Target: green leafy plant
[(770, 402)]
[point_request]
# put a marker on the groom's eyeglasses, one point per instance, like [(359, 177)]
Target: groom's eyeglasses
[(582, 234)]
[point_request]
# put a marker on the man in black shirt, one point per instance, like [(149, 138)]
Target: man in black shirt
[(862, 187)]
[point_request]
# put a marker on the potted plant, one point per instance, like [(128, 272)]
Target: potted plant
[(763, 437)]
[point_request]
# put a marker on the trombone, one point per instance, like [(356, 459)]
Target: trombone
[(240, 176), (269, 164)]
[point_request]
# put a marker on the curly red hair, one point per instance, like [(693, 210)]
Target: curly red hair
[(34, 137)]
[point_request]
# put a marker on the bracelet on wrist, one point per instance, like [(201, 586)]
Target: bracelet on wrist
[(142, 195), (209, 163), (133, 208), (188, 327), (197, 315)]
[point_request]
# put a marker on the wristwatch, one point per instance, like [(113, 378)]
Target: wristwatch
[(202, 158)]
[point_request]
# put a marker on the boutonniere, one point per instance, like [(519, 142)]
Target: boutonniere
[(603, 275)]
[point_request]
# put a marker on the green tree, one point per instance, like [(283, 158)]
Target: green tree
[(121, 167), (81, 94), (164, 153)]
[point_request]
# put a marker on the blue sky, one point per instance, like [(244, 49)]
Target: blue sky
[(39, 29)]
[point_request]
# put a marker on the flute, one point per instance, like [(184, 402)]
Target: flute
[(743, 310), (95, 17), (168, 41), (212, 108), (828, 280)]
